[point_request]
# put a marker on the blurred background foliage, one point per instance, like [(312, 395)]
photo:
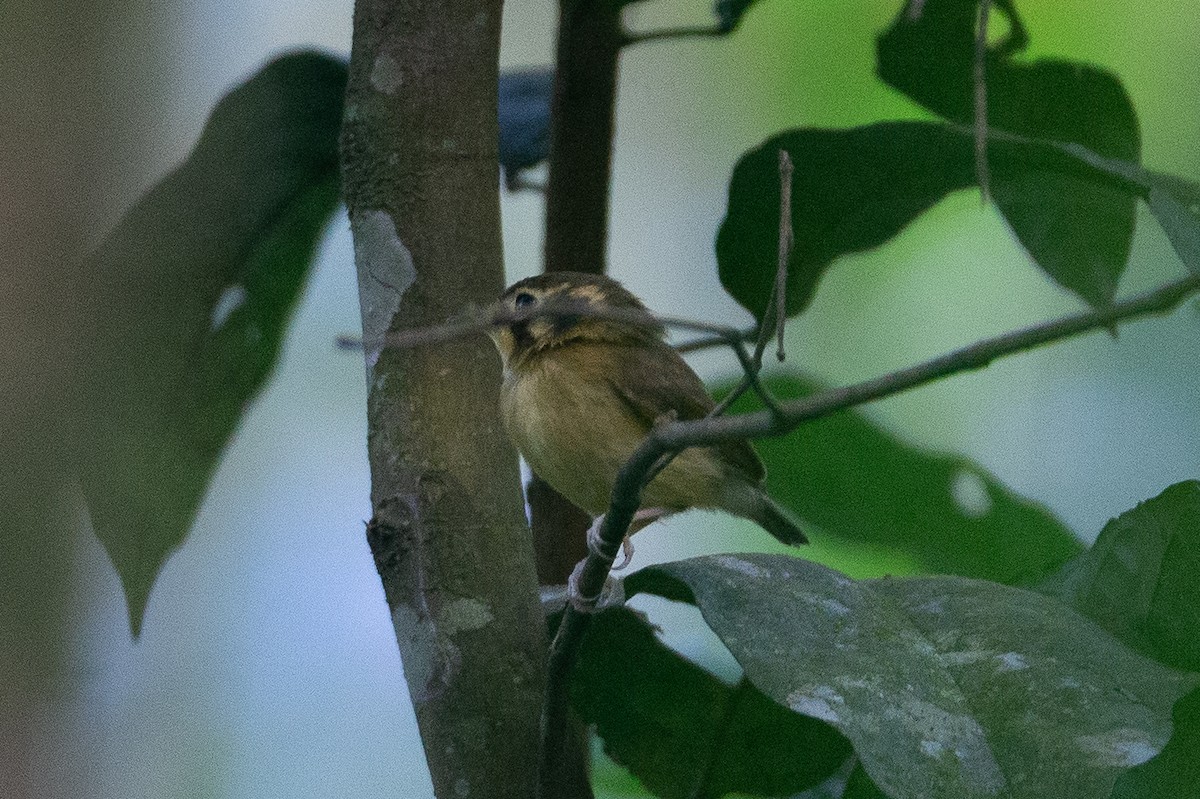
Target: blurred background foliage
[(267, 665)]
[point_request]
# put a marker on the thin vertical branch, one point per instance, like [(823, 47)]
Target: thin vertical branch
[(577, 199), (775, 311), (581, 135), (582, 125), (981, 114), (448, 530), (786, 242)]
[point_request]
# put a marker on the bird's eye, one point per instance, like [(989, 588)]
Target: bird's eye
[(524, 300)]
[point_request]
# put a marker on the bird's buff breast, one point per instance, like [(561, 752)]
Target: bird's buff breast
[(576, 434)]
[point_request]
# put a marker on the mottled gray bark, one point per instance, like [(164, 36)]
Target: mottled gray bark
[(448, 532)]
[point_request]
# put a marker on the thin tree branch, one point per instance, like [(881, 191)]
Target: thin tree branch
[(708, 342), (578, 186), (686, 32), (479, 320), (672, 437), (981, 114), (775, 312), (786, 242), (581, 135)]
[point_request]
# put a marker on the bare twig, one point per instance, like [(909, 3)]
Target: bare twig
[(981, 114), (775, 310), (475, 320), (707, 342), (697, 32), (479, 320), (786, 242), (673, 437)]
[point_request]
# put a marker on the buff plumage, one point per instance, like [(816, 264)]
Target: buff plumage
[(581, 392)]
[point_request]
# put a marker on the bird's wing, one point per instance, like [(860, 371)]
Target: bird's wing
[(655, 381)]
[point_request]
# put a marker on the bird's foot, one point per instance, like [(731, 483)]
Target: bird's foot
[(595, 545), (575, 595), (626, 554), (641, 519)]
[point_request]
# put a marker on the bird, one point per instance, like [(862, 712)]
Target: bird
[(580, 393)]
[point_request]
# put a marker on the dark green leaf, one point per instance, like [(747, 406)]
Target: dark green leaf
[(192, 293), (856, 481), (850, 782), (1077, 230), (683, 732), (1139, 580), (1175, 772), (946, 686), (852, 190), (729, 13)]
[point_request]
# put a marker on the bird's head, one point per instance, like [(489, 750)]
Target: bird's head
[(550, 310)]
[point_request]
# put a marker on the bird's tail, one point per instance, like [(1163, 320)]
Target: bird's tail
[(751, 502), (778, 521)]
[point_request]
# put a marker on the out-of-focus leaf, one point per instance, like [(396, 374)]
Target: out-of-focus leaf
[(1175, 772), (946, 686), (858, 482), (191, 297), (524, 108), (1077, 230), (1139, 580), (852, 191), (683, 732), (729, 13), (1181, 226)]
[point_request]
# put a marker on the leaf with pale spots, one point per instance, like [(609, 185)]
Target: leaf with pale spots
[(947, 687)]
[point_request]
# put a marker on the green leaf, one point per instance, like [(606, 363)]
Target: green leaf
[(858, 482), (852, 191), (729, 13), (1139, 580), (192, 294), (683, 732), (1175, 772), (1079, 231), (860, 786), (946, 686)]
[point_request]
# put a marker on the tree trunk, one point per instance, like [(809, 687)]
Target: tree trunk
[(448, 535)]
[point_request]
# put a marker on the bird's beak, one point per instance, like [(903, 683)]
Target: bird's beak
[(500, 333)]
